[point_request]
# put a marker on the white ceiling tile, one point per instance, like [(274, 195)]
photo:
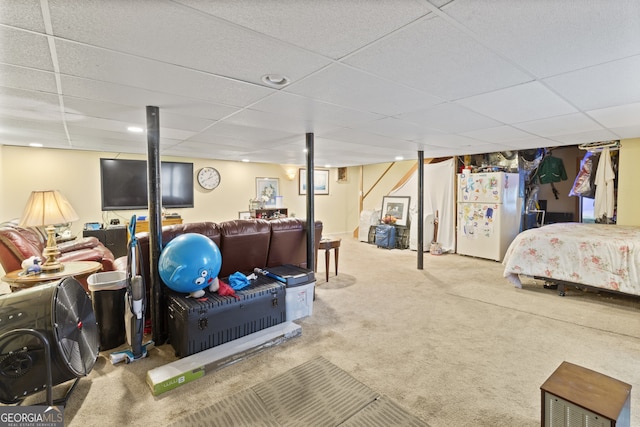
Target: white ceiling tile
[(627, 131), (451, 141), (530, 143), (25, 14), (203, 43), (449, 117), (586, 136), (529, 101), (25, 49), (553, 37), (36, 106), (366, 140), (560, 125), (312, 110), (196, 110), (333, 28), (354, 89), (497, 134), (262, 119), (398, 129), (27, 78), (614, 117), (84, 125), (606, 85), (132, 116), (437, 58), (20, 127), (243, 135), (103, 65)]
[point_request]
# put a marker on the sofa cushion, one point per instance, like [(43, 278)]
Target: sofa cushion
[(289, 242), (244, 245)]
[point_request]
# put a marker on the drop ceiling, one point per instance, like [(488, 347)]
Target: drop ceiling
[(372, 80)]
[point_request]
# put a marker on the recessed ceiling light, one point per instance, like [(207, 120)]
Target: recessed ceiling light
[(35, 144), (399, 158), (327, 166), (245, 160), (135, 129), (276, 80)]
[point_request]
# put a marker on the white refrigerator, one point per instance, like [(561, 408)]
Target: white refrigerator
[(489, 213)]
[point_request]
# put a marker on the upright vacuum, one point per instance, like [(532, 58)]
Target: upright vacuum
[(136, 299)]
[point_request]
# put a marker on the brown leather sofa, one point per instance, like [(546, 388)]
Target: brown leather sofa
[(18, 244), (244, 244)]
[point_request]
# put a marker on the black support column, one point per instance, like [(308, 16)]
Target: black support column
[(420, 209), (155, 223), (311, 223)]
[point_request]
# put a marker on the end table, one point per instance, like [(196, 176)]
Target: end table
[(78, 269)]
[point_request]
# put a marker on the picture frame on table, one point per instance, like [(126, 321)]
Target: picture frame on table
[(397, 207), (244, 215), (269, 188), (320, 178)]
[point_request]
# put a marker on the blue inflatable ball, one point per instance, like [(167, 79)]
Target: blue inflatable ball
[(189, 263)]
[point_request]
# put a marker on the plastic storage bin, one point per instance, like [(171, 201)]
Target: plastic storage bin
[(301, 284), (108, 290)]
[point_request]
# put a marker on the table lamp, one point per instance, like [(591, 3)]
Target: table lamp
[(46, 208)]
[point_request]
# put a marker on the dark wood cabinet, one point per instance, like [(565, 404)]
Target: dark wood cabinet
[(577, 396), (114, 238)]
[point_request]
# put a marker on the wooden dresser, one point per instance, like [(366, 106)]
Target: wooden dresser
[(143, 225)]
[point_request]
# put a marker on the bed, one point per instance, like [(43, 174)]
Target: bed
[(597, 255)]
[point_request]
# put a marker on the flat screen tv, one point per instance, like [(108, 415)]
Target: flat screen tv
[(124, 185)]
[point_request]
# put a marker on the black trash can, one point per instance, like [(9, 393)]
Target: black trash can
[(108, 290)]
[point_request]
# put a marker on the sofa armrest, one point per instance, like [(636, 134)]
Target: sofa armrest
[(77, 244)]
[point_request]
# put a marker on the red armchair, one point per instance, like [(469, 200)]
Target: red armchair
[(18, 244)]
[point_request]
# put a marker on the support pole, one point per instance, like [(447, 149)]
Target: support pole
[(420, 209), (155, 223), (311, 223)]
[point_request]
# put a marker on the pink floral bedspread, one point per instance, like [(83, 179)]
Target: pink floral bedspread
[(600, 255)]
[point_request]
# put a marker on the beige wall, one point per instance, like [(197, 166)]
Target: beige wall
[(628, 178), (76, 175)]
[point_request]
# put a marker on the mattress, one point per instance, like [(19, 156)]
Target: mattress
[(600, 255)]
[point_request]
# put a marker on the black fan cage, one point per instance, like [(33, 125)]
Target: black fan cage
[(61, 312)]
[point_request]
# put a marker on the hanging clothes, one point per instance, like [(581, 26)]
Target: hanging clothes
[(604, 200), (582, 185), (551, 170)]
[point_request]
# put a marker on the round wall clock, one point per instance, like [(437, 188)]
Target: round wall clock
[(208, 178)]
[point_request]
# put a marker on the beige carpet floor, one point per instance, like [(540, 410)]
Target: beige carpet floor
[(454, 344)]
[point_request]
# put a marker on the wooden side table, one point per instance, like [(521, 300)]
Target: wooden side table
[(78, 269), (327, 245), (578, 396)]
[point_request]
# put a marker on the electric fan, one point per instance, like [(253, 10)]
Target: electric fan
[(48, 335)]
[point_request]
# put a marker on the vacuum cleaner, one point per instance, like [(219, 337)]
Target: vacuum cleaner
[(136, 299)]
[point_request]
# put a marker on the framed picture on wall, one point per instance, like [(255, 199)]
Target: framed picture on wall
[(397, 207), (321, 181), (342, 175), (266, 190)]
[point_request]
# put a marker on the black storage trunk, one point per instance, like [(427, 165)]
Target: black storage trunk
[(197, 324), (385, 236)]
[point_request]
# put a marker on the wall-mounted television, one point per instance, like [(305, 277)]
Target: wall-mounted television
[(123, 184)]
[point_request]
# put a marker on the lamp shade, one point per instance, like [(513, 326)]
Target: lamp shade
[(46, 208)]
